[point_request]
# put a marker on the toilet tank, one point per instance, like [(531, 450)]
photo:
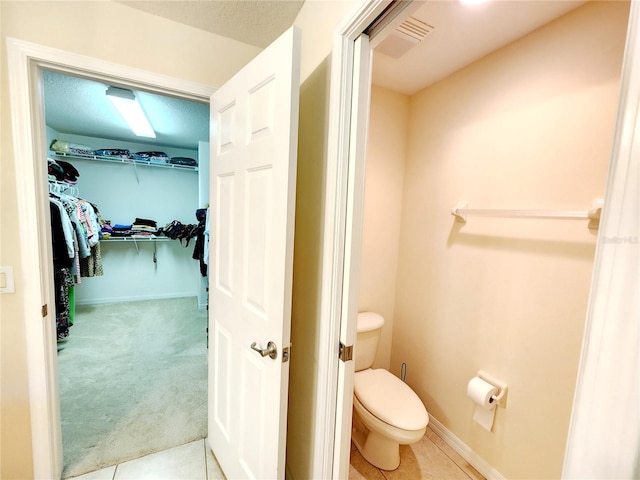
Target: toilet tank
[(367, 338)]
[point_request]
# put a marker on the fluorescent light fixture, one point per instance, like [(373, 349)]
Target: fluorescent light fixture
[(126, 103), (470, 3)]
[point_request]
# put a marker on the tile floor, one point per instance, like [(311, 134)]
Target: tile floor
[(430, 458), (193, 461)]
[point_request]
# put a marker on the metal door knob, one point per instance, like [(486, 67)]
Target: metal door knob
[(271, 350)]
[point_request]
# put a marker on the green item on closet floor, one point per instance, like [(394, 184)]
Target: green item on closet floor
[(72, 304)]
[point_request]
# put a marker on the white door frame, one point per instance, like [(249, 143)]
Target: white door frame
[(26, 61), (607, 398), (342, 245), (608, 300)]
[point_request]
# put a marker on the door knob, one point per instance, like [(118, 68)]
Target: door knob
[(271, 350)]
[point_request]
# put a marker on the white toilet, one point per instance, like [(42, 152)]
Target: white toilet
[(386, 412)]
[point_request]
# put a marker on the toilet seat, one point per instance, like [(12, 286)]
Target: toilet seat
[(390, 399)]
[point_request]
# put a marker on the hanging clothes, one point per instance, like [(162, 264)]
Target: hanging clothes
[(75, 231), (202, 215), (91, 266), (62, 261)]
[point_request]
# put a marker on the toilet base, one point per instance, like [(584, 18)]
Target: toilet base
[(379, 451), (378, 442)]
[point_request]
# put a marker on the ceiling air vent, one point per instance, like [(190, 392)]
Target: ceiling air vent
[(406, 36)]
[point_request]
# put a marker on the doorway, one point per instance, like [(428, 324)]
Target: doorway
[(276, 69), (132, 342), (609, 193), (30, 61)]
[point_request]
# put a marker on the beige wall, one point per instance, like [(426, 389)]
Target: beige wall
[(317, 20), (529, 126), (112, 32), (155, 44), (386, 152)]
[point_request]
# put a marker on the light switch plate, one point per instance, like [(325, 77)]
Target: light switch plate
[(6, 280)]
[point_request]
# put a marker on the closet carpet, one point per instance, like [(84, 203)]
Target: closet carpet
[(133, 381)]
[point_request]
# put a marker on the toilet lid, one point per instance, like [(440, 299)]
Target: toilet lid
[(368, 321), (390, 399)]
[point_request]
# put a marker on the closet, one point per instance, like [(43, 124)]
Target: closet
[(132, 314)]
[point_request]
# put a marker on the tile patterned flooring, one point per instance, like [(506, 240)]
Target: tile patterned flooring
[(430, 458), (192, 461)]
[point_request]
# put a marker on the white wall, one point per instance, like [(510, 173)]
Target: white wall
[(203, 174), (316, 20), (163, 195), (203, 202)]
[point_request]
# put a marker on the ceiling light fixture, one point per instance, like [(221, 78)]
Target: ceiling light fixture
[(127, 104)]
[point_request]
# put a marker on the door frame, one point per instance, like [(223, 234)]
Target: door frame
[(26, 62), (343, 249), (608, 370), (350, 82)]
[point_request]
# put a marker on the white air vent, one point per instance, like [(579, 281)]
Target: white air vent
[(409, 34)]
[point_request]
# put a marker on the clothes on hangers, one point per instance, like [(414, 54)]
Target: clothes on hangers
[(76, 230), (200, 251)]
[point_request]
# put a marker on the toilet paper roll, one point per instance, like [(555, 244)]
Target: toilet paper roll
[(481, 392)]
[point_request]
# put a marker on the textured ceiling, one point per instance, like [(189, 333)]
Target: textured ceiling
[(81, 107), (256, 22)]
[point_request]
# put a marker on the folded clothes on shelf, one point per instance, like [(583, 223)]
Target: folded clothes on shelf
[(68, 147), (106, 229), (113, 152), (186, 161), (151, 157), (145, 221)]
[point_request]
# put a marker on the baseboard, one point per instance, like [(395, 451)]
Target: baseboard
[(136, 298), (465, 451)]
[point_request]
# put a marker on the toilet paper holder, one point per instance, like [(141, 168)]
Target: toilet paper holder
[(501, 398)]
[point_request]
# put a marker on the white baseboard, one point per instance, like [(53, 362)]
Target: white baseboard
[(136, 298), (465, 451)]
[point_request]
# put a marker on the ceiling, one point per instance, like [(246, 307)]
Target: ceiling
[(78, 106), (461, 35), (256, 22)]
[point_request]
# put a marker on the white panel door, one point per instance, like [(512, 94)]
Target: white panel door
[(253, 175)]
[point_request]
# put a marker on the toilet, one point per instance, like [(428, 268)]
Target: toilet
[(386, 412)]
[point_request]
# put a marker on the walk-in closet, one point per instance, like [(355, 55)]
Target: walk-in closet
[(129, 223)]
